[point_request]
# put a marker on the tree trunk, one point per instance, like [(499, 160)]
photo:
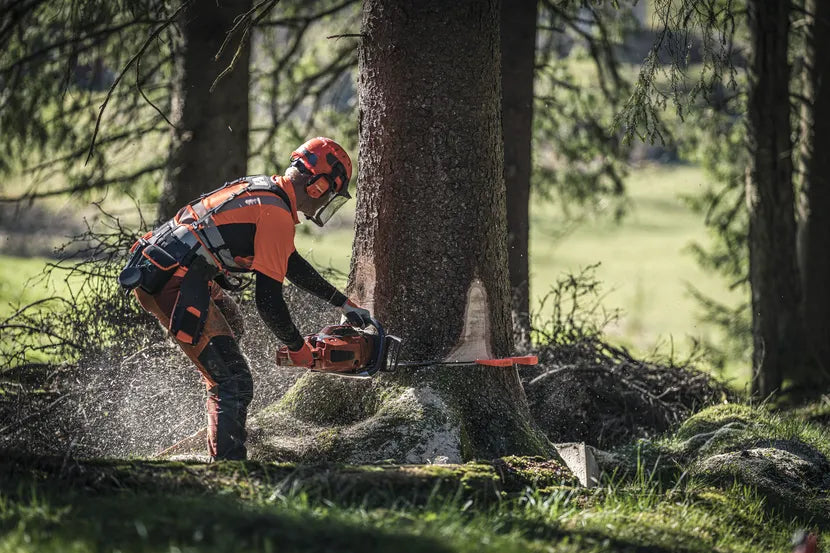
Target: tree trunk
[(518, 50), (209, 144), (773, 274), (430, 252), (814, 205)]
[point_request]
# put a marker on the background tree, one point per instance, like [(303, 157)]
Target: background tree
[(776, 325), (209, 141), (63, 62), (518, 52), (549, 108), (60, 64), (814, 198), (752, 155)]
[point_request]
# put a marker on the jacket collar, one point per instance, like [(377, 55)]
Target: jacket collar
[(288, 188)]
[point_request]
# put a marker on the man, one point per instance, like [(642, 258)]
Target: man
[(178, 271)]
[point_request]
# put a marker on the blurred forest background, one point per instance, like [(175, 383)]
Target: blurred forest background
[(638, 143)]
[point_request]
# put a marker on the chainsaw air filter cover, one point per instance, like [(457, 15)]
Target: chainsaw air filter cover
[(342, 348)]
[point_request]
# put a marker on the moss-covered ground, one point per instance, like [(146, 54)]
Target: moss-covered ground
[(513, 504)]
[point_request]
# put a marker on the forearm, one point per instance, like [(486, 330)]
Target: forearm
[(274, 311), (303, 275)]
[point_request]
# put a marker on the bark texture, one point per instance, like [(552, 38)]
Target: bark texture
[(518, 50), (209, 144), (431, 203), (814, 204), (431, 206), (772, 231)]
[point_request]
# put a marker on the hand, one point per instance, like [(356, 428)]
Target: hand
[(359, 313), (303, 357)]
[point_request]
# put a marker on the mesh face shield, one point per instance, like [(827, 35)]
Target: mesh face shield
[(328, 209)]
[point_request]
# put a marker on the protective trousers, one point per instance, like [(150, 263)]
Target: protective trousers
[(216, 355)]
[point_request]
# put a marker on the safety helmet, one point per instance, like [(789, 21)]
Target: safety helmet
[(330, 169)]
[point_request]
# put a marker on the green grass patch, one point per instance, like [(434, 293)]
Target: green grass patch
[(37, 517), (57, 504), (20, 283), (644, 262)]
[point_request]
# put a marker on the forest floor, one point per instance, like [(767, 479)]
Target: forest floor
[(732, 478)]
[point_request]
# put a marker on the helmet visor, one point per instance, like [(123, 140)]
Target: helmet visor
[(324, 213)]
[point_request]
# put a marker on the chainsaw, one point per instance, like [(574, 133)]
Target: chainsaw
[(360, 348)]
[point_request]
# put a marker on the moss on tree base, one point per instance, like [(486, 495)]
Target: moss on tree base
[(333, 419)]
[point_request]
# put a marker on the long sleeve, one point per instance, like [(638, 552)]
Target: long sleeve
[(302, 274), (274, 311)]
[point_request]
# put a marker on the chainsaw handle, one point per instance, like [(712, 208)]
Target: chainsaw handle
[(362, 321)]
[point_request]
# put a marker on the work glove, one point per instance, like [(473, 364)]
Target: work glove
[(353, 312), (303, 357)]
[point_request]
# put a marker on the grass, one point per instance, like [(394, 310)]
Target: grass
[(631, 517), (20, 283), (59, 504), (644, 262)]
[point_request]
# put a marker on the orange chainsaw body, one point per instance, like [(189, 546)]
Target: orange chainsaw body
[(337, 348)]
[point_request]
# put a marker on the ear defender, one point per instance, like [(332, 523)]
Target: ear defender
[(317, 187)]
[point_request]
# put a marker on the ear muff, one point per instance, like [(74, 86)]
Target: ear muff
[(318, 186)]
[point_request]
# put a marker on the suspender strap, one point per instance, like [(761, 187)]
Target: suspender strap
[(209, 235)]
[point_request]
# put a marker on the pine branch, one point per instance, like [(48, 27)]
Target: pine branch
[(306, 20), (132, 60)]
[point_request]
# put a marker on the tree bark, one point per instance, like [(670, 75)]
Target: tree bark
[(814, 200), (209, 144), (518, 50), (430, 251), (774, 278)]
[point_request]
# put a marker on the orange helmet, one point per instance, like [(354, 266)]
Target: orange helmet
[(327, 162)]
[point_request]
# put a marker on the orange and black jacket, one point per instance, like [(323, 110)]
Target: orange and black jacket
[(255, 232)]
